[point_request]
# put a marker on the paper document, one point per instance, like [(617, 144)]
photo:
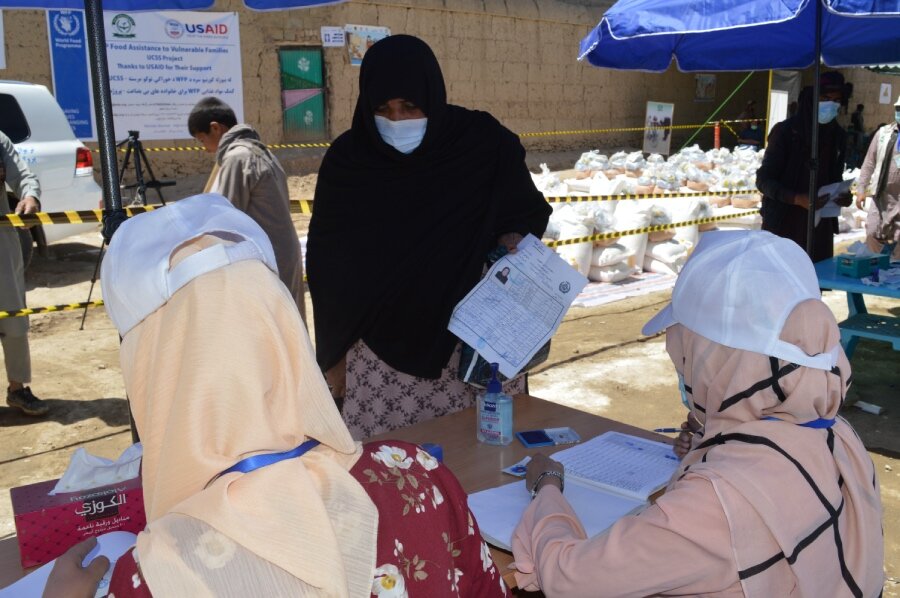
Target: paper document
[(499, 509), (112, 545), (607, 477), (635, 467), (518, 305), (831, 209)]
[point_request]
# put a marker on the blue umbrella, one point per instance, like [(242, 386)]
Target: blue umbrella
[(96, 41), (746, 35), (743, 35)]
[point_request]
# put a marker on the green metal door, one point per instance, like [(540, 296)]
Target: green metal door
[(302, 94)]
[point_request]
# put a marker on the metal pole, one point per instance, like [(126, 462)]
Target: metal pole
[(106, 135), (814, 142), (113, 214)]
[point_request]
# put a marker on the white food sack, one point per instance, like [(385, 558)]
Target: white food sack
[(631, 214), (607, 256), (683, 210), (613, 273), (654, 265), (572, 224)]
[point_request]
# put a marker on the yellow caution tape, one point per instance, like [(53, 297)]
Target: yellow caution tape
[(305, 206), (695, 194), (575, 241), (67, 217), (648, 229), (325, 144), (43, 310)]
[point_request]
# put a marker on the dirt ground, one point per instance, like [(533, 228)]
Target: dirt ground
[(599, 363)]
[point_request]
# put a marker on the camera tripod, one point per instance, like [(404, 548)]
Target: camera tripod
[(134, 153), (134, 147)]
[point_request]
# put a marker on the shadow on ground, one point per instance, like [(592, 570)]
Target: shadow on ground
[(113, 412), (67, 264), (875, 381)]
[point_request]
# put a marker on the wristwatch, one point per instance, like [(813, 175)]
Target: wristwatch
[(536, 486)]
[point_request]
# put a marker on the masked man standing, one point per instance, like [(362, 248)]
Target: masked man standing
[(783, 177)]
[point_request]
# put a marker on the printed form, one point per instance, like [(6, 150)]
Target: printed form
[(518, 305)]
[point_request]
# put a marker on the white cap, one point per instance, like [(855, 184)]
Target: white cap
[(136, 278), (738, 289)]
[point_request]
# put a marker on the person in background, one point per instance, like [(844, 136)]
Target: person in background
[(777, 495), (749, 112), (252, 179), (879, 178), (783, 177), (856, 136), (252, 483), (409, 201), (14, 331), (751, 136)]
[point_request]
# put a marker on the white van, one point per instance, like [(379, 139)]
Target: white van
[(31, 118)]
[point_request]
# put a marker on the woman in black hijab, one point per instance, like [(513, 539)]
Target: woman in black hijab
[(409, 201)]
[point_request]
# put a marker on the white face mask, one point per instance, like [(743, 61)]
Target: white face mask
[(402, 135), (828, 111), (685, 398)]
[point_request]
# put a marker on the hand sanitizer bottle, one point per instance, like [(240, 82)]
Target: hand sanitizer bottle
[(495, 413)]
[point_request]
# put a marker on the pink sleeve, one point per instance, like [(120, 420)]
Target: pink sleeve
[(681, 544)]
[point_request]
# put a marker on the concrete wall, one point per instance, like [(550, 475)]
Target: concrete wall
[(515, 59)]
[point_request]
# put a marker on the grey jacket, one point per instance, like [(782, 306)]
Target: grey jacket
[(251, 177)]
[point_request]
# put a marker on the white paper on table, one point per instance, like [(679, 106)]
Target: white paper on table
[(507, 318), (112, 545), (498, 510), (831, 209)]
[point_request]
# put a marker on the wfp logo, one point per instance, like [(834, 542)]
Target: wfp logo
[(66, 24), (174, 29), (123, 25)]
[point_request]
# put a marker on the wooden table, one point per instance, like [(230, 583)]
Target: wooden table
[(477, 465), (860, 323)]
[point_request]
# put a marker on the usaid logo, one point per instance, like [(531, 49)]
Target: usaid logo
[(66, 24), (174, 29), (213, 29)]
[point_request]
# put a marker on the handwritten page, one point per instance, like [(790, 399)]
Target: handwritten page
[(112, 545), (621, 463), (498, 510), (518, 305)]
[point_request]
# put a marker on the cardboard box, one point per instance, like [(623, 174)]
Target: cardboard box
[(47, 525), (857, 267)]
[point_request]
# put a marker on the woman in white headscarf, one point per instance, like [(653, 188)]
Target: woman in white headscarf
[(777, 496), (223, 374)]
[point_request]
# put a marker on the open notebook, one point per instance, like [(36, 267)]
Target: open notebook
[(607, 477)]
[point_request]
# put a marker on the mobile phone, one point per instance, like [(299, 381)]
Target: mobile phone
[(533, 438)]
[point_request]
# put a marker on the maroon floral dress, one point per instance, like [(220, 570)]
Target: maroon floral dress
[(428, 541)]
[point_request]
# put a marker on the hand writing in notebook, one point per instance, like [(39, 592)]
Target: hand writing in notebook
[(539, 464)]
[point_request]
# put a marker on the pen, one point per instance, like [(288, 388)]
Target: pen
[(667, 430)]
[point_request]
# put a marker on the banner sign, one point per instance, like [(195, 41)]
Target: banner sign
[(71, 80), (160, 65), (658, 135)]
